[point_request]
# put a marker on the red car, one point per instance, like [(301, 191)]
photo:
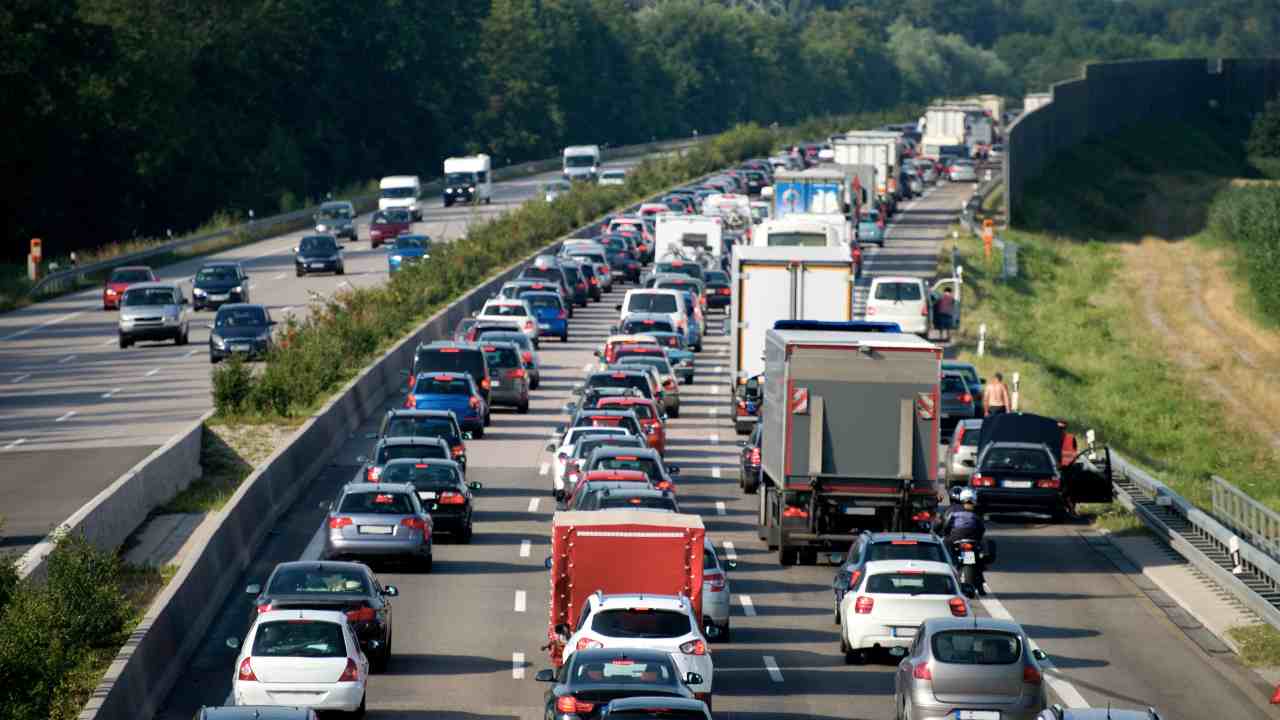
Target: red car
[(389, 224), (121, 278), (655, 433)]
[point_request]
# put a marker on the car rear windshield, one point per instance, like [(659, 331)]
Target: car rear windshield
[(652, 302), (717, 277), (299, 638), (693, 270), (420, 427), (641, 623), (622, 671), (544, 302), (651, 360), (709, 560), (502, 357), (376, 503), (450, 359), (409, 243), (632, 327), (130, 276), (588, 444), (905, 550), (574, 276), (552, 274), (899, 291), (623, 421), (642, 411), (627, 380), (149, 296), (1030, 460), (411, 452), (968, 372), (507, 336), (420, 475), (977, 647), (658, 713), (293, 580), (910, 584), (953, 384), (644, 502), (436, 385), (797, 239), (646, 465), (505, 310)]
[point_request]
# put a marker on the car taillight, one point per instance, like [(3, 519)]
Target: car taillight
[(864, 605), (350, 673), (694, 647), (1031, 676), (414, 523), (528, 324), (527, 356), (338, 523), (264, 607), (594, 281), (726, 291), (795, 512), (452, 498), (959, 608), (668, 383), (854, 577), (663, 485), (966, 547), (920, 671), (373, 473), (410, 401), (364, 614), (588, 644), (458, 451), (924, 310), (958, 436), (246, 671), (982, 481), (516, 374), (966, 398), (1049, 483), (754, 457), (714, 582), (569, 704), (485, 384), (474, 402)]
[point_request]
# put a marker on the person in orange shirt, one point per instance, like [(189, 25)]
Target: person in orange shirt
[(995, 396)]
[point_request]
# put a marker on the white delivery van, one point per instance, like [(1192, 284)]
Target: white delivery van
[(401, 191), (689, 237), (468, 180), (786, 232), (662, 302), (582, 162), (734, 208), (904, 300)]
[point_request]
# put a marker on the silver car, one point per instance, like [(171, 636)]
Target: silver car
[(379, 520), (154, 311), (962, 452), (963, 171), (979, 668), (715, 592)]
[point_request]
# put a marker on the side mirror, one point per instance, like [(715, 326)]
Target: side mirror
[(968, 590), (982, 380), (692, 678), (295, 248), (391, 591), (547, 563), (252, 589), (673, 469), (1040, 655), (272, 322), (742, 443), (547, 675), (618, 306), (551, 447), (613, 329), (578, 390), (562, 630), (210, 325), (362, 459), (475, 485), (597, 352), (468, 435), (233, 643), (955, 494), (186, 301), (731, 564)]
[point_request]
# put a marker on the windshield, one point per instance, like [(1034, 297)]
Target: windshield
[(613, 174), (797, 239), (623, 421), (409, 242), (317, 244), (420, 475), (543, 302), (620, 380), (905, 550), (1028, 460), (241, 317), (502, 357), (220, 273), (641, 623), (130, 276), (449, 359), (460, 178), (149, 296), (652, 302), (579, 161), (642, 411), (400, 192), (693, 270), (977, 647), (655, 362), (439, 385), (552, 274), (376, 503), (337, 212), (648, 466), (293, 580), (954, 384), (420, 427), (910, 584), (899, 291), (299, 638), (398, 217), (716, 277)]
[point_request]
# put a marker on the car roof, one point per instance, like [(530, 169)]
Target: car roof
[(646, 452), (971, 423), (638, 338), (362, 487), (237, 306), (628, 600), (221, 263), (598, 654), (891, 566), (616, 475), (155, 284), (333, 616), (1019, 445), (133, 267), (943, 624), (412, 440), (881, 279), (614, 371), (423, 461), (321, 565), (419, 412), (878, 537), (1107, 713)]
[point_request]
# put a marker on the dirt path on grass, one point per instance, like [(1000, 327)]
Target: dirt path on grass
[(1188, 298)]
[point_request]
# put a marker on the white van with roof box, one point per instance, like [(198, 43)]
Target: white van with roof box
[(696, 238), (467, 180), (582, 162), (663, 302), (401, 191)]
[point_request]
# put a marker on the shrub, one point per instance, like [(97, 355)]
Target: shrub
[(1249, 218), (1264, 138), (232, 383)]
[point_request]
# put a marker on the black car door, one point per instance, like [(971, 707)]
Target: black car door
[(1087, 480)]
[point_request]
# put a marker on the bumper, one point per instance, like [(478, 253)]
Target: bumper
[(1018, 500), (872, 636), (255, 351), (334, 696), (509, 396), (450, 521), (370, 548), (925, 707), (718, 301), (316, 266), (457, 195), (552, 328), (152, 332), (213, 300), (715, 605)]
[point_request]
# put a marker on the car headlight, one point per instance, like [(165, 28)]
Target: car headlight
[(124, 320), (471, 188), (448, 190), (321, 228), (197, 291), (237, 289), (396, 258), (218, 342)]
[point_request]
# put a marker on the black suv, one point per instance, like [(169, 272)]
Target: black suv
[(444, 356), (401, 422), (219, 282)]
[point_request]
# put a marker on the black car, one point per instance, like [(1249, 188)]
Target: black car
[(397, 448), (577, 281), (645, 460), (443, 424), (318, 253), (441, 490), (871, 546), (348, 587), (648, 708), (240, 328), (219, 282), (749, 463), (592, 678), (442, 356), (717, 293), (337, 218)]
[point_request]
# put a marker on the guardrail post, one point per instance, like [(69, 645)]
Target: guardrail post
[(1017, 385), (982, 339)]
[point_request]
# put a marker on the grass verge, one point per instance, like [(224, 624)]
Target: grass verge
[(229, 453), (1259, 644)]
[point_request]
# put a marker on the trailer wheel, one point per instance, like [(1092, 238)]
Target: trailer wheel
[(787, 556), (808, 557)]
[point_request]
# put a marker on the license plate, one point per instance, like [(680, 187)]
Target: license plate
[(859, 511), (495, 383), (902, 632), (316, 266), (426, 496), (977, 715), (969, 557), (217, 297), (544, 326), (376, 529), (1017, 483), (240, 348)]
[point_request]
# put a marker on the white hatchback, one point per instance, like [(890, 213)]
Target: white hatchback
[(653, 622), (306, 658), (565, 448), (884, 610), (899, 299), (512, 309)]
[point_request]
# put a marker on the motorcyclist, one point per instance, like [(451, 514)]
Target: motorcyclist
[(964, 523)]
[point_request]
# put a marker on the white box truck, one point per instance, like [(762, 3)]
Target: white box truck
[(697, 238), (1035, 101), (467, 180), (401, 191), (582, 162)]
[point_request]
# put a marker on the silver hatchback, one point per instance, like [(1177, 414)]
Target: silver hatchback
[(976, 668), (962, 452), (154, 311), (379, 520)]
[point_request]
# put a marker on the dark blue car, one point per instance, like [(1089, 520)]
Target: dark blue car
[(553, 318), (451, 391)]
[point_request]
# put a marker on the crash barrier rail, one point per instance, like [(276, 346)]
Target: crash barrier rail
[(63, 280), (1234, 563), (1257, 523)]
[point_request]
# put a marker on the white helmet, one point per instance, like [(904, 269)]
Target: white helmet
[(967, 496)]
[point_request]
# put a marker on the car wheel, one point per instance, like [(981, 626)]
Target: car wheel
[(478, 433), (725, 634), (854, 656), (564, 337), (488, 201), (299, 273), (688, 380), (342, 269), (359, 712), (698, 347), (836, 617), (214, 359), (675, 412), (488, 419), (464, 537), (787, 556), (124, 343), (808, 557), (378, 664), (184, 338), (427, 563), (535, 383), (523, 408)]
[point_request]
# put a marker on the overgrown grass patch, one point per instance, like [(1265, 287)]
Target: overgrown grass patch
[(1259, 644), (229, 453)]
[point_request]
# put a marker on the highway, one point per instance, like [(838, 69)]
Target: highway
[(467, 636), (76, 411)]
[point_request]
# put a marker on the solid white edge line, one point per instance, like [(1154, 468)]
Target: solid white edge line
[(520, 601), (730, 551), (526, 547), (43, 325), (19, 379), (533, 505), (720, 508), (315, 546), (517, 666), (15, 443), (748, 607), (543, 468), (771, 665), (1060, 685), (109, 394), (66, 359), (70, 414)]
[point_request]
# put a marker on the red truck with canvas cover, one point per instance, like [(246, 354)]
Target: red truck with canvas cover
[(620, 551)]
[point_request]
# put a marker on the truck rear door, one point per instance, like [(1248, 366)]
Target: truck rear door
[(819, 288), (763, 295)]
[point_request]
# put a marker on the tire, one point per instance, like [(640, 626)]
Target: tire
[(726, 633), (488, 201), (464, 537), (359, 712), (698, 347), (184, 338), (478, 433), (564, 337), (808, 557), (379, 664), (523, 408), (124, 343), (426, 564), (299, 273), (787, 556), (213, 359), (675, 412), (342, 270), (488, 419), (969, 574), (836, 617), (536, 382)]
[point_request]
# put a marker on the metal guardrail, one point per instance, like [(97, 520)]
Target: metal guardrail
[(1257, 523), (61, 280)]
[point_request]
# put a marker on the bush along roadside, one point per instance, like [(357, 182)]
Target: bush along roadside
[(1248, 218), (343, 333)]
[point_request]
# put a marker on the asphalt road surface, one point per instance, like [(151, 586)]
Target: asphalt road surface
[(76, 411), (467, 636)]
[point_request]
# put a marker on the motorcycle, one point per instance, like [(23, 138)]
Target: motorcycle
[(970, 558)]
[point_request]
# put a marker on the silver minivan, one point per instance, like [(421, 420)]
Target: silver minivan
[(154, 311)]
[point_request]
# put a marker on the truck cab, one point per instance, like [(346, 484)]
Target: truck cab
[(467, 180), (582, 163)]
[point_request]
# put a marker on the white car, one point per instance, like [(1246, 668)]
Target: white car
[(565, 447), (613, 177), (555, 189), (308, 658), (654, 622), (893, 597), (963, 171), (660, 302), (715, 592), (512, 309), (899, 299)]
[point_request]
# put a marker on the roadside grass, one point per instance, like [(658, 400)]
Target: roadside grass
[(229, 453), (1113, 518), (1259, 644)]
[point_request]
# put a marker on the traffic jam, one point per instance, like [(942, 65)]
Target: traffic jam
[(860, 446)]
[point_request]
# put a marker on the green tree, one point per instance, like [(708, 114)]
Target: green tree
[(1264, 137), (521, 112)]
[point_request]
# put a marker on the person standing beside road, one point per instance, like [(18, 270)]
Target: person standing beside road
[(944, 311), (995, 396)]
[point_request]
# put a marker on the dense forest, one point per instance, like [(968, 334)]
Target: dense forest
[(127, 117)]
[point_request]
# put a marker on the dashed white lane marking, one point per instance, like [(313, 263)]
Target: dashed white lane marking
[(771, 665), (720, 508), (190, 353), (1060, 685), (111, 341), (533, 505), (520, 601), (66, 359), (153, 372), (748, 607), (718, 369), (70, 414), (729, 551), (526, 547), (20, 378), (42, 325), (15, 443), (713, 439), (713, 411), (543, 468), (278, 277), (517, 666), (715, 472), (110, 393), (715, 390)]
